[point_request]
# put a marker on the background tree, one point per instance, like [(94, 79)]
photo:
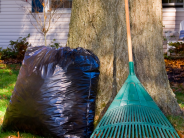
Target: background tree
[(44, 14), (99, 25)]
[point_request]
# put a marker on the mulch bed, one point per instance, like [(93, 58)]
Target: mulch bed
[(11, 61), (175, 70)]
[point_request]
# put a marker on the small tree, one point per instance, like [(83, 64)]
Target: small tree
[(43, 12)]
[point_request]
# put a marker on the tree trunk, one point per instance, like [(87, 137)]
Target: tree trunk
[(99, 25)]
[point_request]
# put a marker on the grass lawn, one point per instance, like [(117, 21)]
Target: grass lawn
[(8, 77)]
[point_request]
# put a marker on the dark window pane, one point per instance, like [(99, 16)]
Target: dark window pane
[(165, 1), (61, 4), (66, 4), (179, 1), (172, 1), (70, 4)]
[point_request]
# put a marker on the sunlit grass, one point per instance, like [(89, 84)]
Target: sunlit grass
[(8, 77), (22, 135)]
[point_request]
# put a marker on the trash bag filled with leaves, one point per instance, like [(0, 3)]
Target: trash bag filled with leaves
[(54, 95)]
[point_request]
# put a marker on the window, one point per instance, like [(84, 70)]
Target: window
[(64, 5), (61, 4), (37, 6), (173, 3)]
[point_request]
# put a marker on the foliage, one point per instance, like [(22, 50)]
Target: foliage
[(17, 49), (178, 48), (55, 44), (167, 57), (7, 53)]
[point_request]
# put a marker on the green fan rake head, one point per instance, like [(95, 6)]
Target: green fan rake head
[(134, 114)]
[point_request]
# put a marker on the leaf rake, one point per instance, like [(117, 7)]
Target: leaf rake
[(133, 113)]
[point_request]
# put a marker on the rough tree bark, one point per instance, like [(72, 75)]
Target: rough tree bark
[(99, 25)]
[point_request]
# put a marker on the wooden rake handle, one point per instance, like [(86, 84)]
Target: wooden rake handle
[(128, 32)]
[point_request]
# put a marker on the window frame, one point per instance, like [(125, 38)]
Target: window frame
[(173, 5), (60, 10)]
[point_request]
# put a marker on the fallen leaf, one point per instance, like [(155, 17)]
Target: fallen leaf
[(180, 134), (13, 136), (96, 117), (1, 61), (1, 121)]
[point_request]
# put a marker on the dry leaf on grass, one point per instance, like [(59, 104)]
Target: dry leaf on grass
[(12, 136), (1, 120), (1, 61), (180, 134)]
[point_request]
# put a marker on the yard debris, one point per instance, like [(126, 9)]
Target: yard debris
[(1, 120), (175, 70), (13, 136), (1, 61), (55, 91), (180, 134)]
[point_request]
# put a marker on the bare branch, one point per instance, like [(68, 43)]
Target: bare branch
[(43, 20)]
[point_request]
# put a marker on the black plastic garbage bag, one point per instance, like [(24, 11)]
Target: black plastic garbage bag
[(54, 95)]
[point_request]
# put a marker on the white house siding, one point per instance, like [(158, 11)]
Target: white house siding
[(171, 21), (14, 23)]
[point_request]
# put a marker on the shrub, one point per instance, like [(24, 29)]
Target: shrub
[(178, 48), (54, 44), (17, 49)]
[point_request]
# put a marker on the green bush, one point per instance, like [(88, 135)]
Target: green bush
[(54, 44), (17, 49), (178, 48)]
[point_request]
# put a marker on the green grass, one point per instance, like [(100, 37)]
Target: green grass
[(22, 135), (8, 77), (178, 121), (180, 99), (178, 89)]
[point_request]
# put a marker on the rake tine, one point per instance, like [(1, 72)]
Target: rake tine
[(112, 131), (140, 131), (104, 132), (126, 131), (119, 131), (164, 131), (122, 133), (129, 131), (150, 131), (154, 131)]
